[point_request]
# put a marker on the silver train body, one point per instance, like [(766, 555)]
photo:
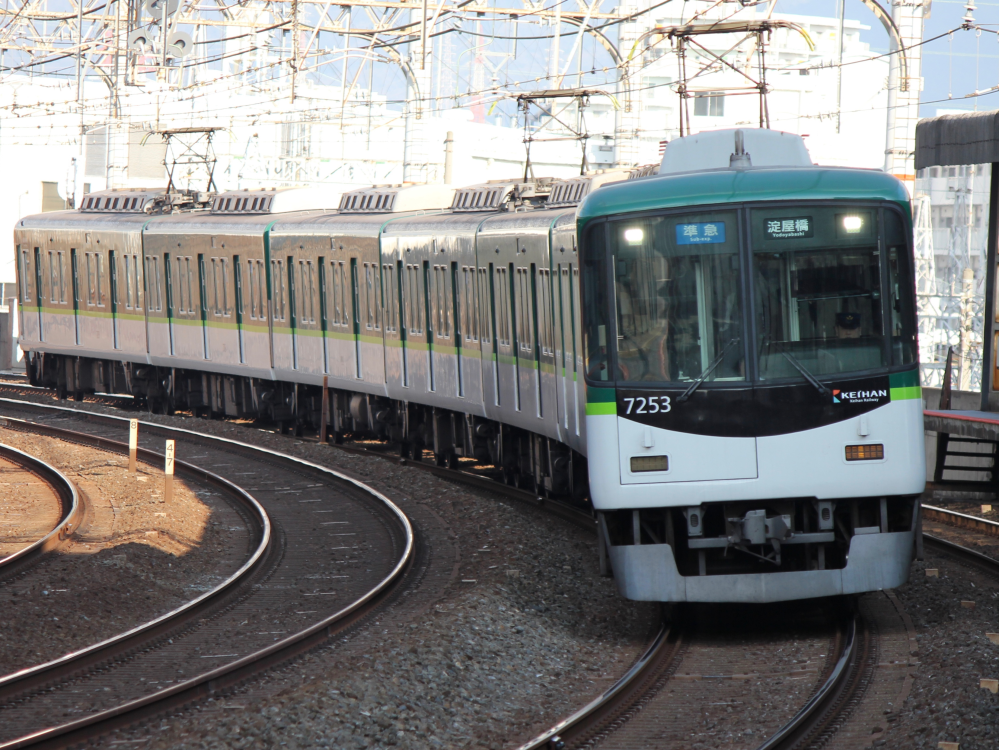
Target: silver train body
[(454, 322)]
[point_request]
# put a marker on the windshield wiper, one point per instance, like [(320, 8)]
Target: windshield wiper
[(710, 369), (800, 368)]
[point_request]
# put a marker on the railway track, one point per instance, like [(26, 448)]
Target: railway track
[(47, 479), (345, 557), (841, 681), (955, 551)]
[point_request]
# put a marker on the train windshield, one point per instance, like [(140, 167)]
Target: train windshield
[(818, 287), (676, 288)]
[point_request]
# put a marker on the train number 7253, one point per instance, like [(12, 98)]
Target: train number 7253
[(650, 405)]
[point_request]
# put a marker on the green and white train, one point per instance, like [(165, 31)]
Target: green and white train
[(720, 357)]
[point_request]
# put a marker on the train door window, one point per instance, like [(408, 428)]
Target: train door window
[(157, 299), (90, 279), (251, 276), (237, 272), (388, 287), (215, 287), (129, 300), (425, 307), (324, 309), (53, 282), (113, 281), (61, 269), (171, 301), (292, 294), (179, 284), (485, 306), (25, 278), (281, 289), (99, 257), (189, 281), (203, 287), (38, 296), (369, 298), (310, 289), (455, 307), (355, 294), (226, 309), (398, 279), (334, 293), (261, 290)]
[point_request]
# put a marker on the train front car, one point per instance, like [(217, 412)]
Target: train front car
[(754, 421)]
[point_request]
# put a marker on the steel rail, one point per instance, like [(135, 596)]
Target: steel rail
[(822, 707), (614, 701), (208, 683), (44, 674), (73, 509)]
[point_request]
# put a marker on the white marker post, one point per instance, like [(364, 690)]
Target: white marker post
[(133, 444), (168, 471)]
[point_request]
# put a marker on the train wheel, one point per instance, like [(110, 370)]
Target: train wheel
[(452, 460), (284, 426), (61, 392)]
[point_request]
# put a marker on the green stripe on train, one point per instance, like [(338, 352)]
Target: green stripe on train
[(905, 385), (601, 401)]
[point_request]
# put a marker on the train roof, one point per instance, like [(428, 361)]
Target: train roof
[(719, 186), (203, 222), (73, 219), (356, 225)]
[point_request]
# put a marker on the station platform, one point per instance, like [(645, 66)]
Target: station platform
[(964, 453), (982, 424)]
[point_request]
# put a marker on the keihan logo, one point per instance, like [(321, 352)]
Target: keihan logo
[(859, 397)]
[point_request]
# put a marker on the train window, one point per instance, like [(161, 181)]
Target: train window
[(262, 309), (136, 289), (485, 308), (439, 298), (397, 280), (90, 279), (25, 283), (215, 287), (677, 298), (226, 310), (389, 298), (178, 291), (369, 297), (597, 322), (901, 288), (817, 273), (278, 281), (455, 309), (237, 272), (156, 302), (310, 290), (128, 286), (333, 303), (100, 278), (251, 275), (188, 280)]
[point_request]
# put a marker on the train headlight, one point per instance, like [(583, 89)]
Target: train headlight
[(852, 224), (634, 236)]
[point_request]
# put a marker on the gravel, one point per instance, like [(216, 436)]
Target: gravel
[(522, 632), (947, 704), (29, 508), (132, 559)]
